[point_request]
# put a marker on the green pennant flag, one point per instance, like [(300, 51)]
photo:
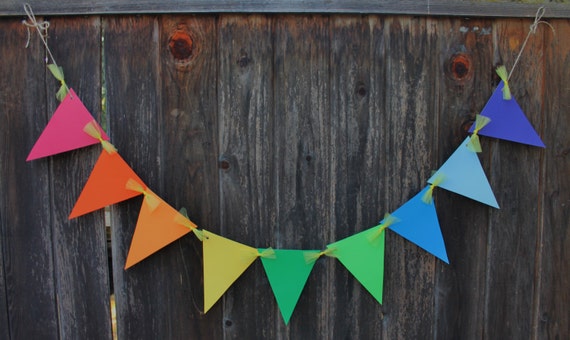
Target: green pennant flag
[(363, 255), (288, 272)]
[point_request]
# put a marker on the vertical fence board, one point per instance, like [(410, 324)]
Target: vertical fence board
[(189, 160), (514, 175), (303, 152), (465, 50), (25, 207), (81, 263), (247, 169), (411, 83), (132, 72), (554, 278), (357, 123)]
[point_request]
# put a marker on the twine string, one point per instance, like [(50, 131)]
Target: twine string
[(532, 30), (42, 28)]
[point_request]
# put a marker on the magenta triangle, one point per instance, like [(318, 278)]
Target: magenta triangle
[(508, 121), (64, 132)]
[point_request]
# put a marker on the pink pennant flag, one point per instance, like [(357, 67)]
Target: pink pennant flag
[(64, 132)]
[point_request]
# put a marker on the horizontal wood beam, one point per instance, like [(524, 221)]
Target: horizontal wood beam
[(467, 8)]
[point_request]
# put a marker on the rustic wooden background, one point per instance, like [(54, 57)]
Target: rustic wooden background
[(289, 131)]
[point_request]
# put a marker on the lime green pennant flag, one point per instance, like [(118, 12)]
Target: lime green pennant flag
[(287, 273), (363, 255), (224, 262)]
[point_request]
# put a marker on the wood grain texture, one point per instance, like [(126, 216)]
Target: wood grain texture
[(189, 159), (80, 246), (513, 229), (247, 167), (135, 123), (506, 8), (290, 131), (357, 168), (409, 135), (302, 154), (553, 278), (25, 206), (465, 49)]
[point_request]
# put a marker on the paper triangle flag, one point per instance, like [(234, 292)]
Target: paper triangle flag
[(463, 174), (287, 272), (508, 121), (224, 262), (64, 132), (418, 223), (156, 228), (363, 256), (106, 185)]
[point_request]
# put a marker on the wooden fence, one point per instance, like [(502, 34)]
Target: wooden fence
[(290, 131)]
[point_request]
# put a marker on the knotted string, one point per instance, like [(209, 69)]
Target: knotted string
[(183, 220), (537, 20), (268, 253), (92, 130), (42, 28), (386, 222), (480, 122), (149, 197), (311, 257), (428, 196)]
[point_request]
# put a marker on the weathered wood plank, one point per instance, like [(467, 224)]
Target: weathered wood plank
[(80, 245), (189, 159), (302, 153), (247, 163), (135, 117), (411, 83), (554, 276), (505, 8), (465, 54), (25, 207), (515, 175), (357, 85)]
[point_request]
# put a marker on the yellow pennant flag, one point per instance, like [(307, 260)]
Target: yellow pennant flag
[(224, 262)]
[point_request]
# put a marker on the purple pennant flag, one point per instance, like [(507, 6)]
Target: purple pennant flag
[(508, 121)]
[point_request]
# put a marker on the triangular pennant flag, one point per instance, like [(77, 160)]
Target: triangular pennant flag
[(64, 132), (508, 121), (464, 175), (418, 223), (156, 228), (106, 185), (224, 262), (363, 255), (288, 272)]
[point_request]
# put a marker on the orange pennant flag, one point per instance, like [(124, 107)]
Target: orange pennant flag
[(106, 185), (156, 228)]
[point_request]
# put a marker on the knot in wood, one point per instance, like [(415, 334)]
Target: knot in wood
[(460, 66), (181, 45)]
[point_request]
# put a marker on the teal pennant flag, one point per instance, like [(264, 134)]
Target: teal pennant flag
[(463, 175)]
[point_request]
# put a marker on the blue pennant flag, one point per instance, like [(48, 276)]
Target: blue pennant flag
[(417, 222), (508, 121)]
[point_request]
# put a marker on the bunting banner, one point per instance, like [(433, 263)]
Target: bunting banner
[(362, 254), (106, 185), (464, 175), (156, 228), (224, 262), (64, 132), (287, 273), (112, 180), (417, 222), (508, 121)]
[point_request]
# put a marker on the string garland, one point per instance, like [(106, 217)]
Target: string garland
[(375, 235)]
